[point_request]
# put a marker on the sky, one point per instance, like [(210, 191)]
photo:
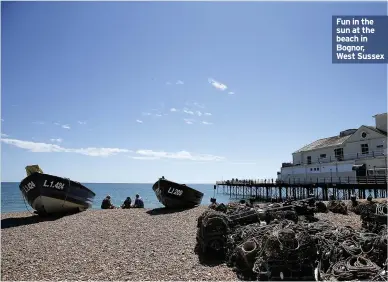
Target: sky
[(193, 91)]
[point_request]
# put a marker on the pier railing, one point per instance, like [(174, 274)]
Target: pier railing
[(378, 179), (341, 157)]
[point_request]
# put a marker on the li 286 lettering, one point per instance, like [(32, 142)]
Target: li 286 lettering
[(175, 191)]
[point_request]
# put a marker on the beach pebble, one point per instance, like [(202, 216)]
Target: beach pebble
[(105, 245)]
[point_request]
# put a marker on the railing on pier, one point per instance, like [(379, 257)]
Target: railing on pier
[(378, 179), (342, 157)]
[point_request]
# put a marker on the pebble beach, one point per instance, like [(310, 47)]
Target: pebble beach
[(133, 244)]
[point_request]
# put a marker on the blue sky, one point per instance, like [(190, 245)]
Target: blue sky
[(88, 87)]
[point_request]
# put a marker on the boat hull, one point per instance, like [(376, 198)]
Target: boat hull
[(49, 194), (174, 195)]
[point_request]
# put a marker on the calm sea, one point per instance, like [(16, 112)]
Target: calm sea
[(12, 200)]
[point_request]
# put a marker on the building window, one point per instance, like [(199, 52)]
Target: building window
[(317, 168), (380, 146), (339, 154), (309, 160), (364, 149), (311, 169), (323, 156)]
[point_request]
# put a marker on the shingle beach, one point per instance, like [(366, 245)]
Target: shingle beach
[(134, 244), (105, 245)]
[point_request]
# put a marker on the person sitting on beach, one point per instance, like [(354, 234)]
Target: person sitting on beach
[(107, 204), (213, 204), (138, 202), (127, 203), (250, 203)]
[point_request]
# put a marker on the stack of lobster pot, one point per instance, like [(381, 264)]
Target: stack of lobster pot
[(337, 206), (244, 218), (287, 254), (374, 217), (214, 227)]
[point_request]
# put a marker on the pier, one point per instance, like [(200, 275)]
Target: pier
[(321, 188)]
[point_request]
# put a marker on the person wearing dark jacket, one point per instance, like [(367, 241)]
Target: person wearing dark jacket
[(127, 203), (138, 202), (107, 204)]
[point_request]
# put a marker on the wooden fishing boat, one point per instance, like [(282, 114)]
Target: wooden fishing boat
[(175, 195), (50, 194)]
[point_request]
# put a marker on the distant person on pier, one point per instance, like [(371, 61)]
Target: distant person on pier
[(138, 202), (127, 203), (107, 204)]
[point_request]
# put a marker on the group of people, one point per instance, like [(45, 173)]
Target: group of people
[(107, 203)]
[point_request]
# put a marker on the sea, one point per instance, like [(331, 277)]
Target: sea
[(12, 199)]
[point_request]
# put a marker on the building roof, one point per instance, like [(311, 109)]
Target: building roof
[(380, 114), (333, 141), (324, 142), (377, 130)]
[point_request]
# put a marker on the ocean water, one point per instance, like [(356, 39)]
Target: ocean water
[(12, 199)]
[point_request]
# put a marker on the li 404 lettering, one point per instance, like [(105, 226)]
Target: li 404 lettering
[(53, 184)]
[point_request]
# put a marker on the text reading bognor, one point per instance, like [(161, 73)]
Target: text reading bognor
[(350, 48)]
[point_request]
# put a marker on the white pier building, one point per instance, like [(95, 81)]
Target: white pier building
[(353, 154)]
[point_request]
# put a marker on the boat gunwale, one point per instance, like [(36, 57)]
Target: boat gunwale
[(183, 185), (67, 179)]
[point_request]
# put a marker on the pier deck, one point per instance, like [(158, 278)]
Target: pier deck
[(322, 188)]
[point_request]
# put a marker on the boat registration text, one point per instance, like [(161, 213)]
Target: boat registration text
[(53, 184), (174, 191), (29, 186)]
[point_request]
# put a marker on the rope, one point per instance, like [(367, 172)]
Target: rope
[(366, 238), (40, 195), (67, 193), (351, 248), (362, 266), (24, 200)]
